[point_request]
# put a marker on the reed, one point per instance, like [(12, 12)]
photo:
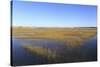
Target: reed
[(40, 51), (73, 36)]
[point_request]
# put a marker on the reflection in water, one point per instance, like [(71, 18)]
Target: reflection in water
[(40, 51)]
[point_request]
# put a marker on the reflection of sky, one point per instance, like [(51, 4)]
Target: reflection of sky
[(53, 15)]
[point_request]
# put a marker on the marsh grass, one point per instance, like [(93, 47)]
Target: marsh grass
[(72, 36), (40, 51)]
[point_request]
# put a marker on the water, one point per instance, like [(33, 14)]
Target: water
[(85, 52)]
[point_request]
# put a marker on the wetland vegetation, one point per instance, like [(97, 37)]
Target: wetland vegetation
[(53, 45)]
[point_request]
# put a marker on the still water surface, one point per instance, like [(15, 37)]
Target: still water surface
[(85, 52)]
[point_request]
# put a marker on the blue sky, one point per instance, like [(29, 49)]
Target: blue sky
[(42, 14)]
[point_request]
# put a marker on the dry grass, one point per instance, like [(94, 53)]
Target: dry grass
[(40, 51), (73, 36)]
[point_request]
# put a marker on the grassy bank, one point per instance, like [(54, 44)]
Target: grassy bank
[(73, 36)]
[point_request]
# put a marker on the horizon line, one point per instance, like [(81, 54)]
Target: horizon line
[(54, 26)]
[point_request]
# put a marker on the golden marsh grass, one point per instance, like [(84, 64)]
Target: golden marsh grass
[(72, 36), (40, 51)]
